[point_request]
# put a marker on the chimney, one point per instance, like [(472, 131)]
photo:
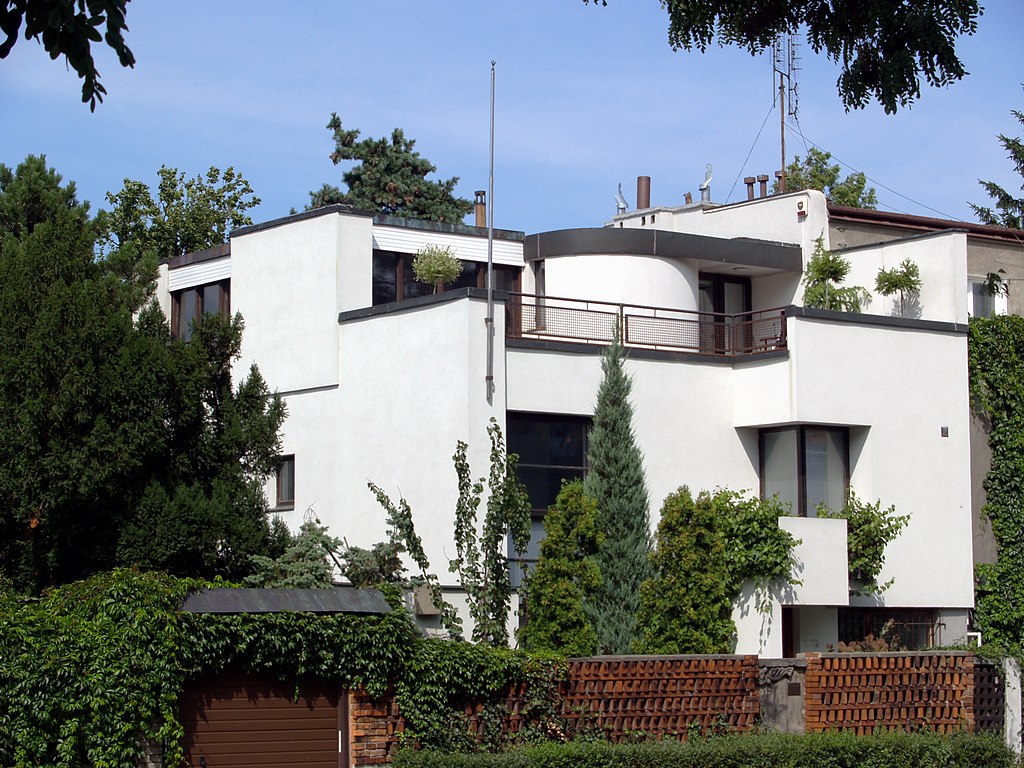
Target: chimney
[(780, 179), (749, 181), (480, 205), (643, 192), (763, 179), (688, 198)]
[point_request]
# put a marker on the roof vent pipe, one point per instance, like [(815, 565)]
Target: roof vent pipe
[(643, 192), (688, 198), (480, 206), (763, 179), (749, 181), (705, 187)]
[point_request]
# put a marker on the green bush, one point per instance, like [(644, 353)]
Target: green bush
[(828, 750)]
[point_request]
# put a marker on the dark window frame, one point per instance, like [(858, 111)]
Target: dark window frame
[(801, 459), (403, 264), (223, 305), (586, 422), (285, 464), (873, 620)]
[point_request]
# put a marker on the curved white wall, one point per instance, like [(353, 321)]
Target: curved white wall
[(623, 278)]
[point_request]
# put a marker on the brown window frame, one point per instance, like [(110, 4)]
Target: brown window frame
[(280, 502), (402, 260), (223, 304)]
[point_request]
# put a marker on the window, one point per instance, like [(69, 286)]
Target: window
[(393, 278), (188, 306), (982, 303), (286, 483), (551, 448), (725, 296), (806, 466), (903, 629)]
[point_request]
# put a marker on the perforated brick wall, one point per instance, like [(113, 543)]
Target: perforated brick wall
[(889, 691)]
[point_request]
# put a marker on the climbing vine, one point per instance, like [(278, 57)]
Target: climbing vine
[(869, 530), (93, 666), (996, 367)]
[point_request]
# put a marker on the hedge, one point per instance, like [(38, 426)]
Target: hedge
[(827, 750)]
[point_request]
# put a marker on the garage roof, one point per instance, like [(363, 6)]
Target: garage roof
[(334, 600)]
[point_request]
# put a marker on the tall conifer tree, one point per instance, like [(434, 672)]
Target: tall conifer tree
[(615, 478)]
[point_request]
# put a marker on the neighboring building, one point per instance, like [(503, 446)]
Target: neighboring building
[(734, 383)]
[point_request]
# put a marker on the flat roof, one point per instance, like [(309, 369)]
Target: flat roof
[(333, 600)]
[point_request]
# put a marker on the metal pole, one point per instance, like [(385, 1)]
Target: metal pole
[(782, 132), (489, 321)]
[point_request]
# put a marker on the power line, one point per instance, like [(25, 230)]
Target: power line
[(750, 151), (799, 132)]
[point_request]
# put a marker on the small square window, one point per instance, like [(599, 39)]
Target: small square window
[(286, 483)]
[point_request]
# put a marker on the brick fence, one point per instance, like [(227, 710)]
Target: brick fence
[(625, 696), (862, 692)]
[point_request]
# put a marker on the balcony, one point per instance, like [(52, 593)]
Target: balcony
[(549, 318)]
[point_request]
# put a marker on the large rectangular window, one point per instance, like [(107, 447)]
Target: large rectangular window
[(188, 306), (910, 629), (394, 280), (551, 448), (806, 466)]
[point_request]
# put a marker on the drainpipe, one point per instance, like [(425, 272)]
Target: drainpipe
[(489, 321)]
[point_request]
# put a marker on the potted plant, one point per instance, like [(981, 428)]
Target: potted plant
[(436, 264)]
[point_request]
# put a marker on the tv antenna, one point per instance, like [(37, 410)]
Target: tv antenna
[(786, 64)]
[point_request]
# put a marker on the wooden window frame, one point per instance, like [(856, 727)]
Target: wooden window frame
[(223, 303), (279, 501)]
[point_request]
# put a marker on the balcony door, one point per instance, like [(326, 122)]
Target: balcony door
[(725, 296)]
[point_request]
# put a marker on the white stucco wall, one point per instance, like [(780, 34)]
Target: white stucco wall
[(821, 563), (942, 261), (627, 279), (289, 282)]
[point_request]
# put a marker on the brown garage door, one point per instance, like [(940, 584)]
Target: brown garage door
[(260, 723)]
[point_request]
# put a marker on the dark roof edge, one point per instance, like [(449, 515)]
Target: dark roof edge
[(452, 228), (396, 307), (207, 254), (862, 318), (870, 215), (898, 240), (337, 208), (661, 243)]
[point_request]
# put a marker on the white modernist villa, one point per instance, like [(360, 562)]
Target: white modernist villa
[(734, 383)]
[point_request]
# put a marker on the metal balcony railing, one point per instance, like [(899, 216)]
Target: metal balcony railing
[(530, 316)]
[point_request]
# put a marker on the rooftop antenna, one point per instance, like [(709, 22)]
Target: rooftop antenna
[(620, 202), (786, 64)]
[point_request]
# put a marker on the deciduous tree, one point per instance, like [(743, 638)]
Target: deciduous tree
[(816, 172), (885, 48)]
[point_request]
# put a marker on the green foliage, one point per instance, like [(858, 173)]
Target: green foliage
[(832, 749), (402, 530), (94, 665), (68, 28), (707, 549), (118, 445), (381, 564), (686, 606), (816, 172), (869, 530), (307, 563), (565, 573), (1009, 210), (390, 177), (483, 566), (184, 216), (884, 49), (615, 479), (825, 271), (437, 265), (904, 280), (996, 367)]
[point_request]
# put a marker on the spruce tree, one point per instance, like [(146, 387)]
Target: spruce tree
[(615, 479), (1008, 210)]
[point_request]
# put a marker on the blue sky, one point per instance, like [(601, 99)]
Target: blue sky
[(587, 98)]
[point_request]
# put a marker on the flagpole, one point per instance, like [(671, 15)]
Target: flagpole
[(489, 321)]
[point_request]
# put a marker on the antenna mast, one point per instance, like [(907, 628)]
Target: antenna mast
[(786, 64)]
